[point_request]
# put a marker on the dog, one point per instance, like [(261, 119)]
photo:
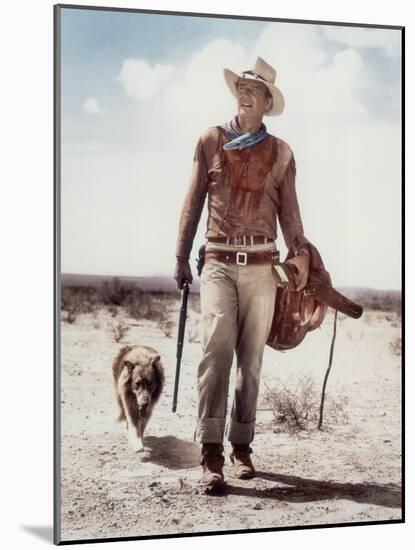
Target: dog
[(138, 381)]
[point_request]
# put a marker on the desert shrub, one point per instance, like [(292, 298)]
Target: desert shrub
[(113, 310), (143, 305), (76, 300), (119, 331), (194, 302), (395, 347), (153, 306), (377, 300), (167, 327), (71, 316), (115, 292), (296, 405)]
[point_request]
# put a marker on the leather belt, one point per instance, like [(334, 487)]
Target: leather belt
[(243, 258), (241, 240)]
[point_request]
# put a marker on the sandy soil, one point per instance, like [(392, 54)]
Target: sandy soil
[(348, 472)]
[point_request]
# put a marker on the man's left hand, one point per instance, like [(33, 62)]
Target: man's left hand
[(302, 263)]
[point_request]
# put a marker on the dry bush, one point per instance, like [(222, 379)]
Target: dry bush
[(113, 310), (395, 347), (96, 323), (115, 292), (119, 330), (296, 405), (377, 300), (194, 302), (167, 327), (153, 306), (144, 305), (71, 316), (394, 319), (76, 300), (194, 330)]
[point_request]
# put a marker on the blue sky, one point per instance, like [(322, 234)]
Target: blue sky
[(94, 43), (137, 91)]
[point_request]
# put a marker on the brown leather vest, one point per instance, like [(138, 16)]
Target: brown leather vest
[(246, 170)]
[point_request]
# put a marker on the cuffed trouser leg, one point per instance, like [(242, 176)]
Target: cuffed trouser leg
[(219, 306), (256, 294)]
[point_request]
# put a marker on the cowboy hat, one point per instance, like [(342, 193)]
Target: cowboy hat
[(264, 73)]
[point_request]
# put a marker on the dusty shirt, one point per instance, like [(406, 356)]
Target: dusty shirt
[(246, 191)]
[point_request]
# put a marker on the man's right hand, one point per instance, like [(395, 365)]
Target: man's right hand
[(182, 272)]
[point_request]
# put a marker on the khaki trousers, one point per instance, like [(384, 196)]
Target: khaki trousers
[(237, 306)]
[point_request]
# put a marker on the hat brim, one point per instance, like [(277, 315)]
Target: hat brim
[(278, 102)]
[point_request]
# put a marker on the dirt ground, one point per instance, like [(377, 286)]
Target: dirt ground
[(348, 472)]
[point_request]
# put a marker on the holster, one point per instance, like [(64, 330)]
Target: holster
[(328, 295), (200, 261), (298, 312)]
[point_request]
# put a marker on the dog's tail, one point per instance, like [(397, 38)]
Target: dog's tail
[(121, 415)]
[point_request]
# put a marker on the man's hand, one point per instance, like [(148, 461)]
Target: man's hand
[(302, 264), (182, 272)]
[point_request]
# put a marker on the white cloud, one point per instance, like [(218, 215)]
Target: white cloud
[(348, 161), (312, 88), (388, 40), (91, 105), (201, 98), (141, 81)]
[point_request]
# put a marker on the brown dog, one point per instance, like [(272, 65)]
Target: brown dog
[(138, 380)]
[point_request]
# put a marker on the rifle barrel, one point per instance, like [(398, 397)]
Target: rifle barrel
[(180, 339)]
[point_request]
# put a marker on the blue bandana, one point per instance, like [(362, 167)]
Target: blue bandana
[(239, 139)]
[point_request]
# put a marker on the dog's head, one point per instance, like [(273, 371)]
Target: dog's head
[(146, 380)]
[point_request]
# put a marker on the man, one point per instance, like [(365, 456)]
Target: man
[(248, 176)]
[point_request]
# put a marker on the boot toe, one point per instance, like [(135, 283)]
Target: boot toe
[(242, 466)]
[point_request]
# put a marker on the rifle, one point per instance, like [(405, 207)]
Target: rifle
[(180, 338)]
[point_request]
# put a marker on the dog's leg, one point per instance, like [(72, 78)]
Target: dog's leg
[(132, 429), (134, 434), (142, 427)]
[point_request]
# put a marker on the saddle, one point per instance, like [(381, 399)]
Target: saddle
[(297, 312)]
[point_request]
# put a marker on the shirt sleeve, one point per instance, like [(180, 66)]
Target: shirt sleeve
[(193, 203), (289, 212)]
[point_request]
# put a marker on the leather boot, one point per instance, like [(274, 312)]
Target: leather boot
[(242, 466), (212, 461)]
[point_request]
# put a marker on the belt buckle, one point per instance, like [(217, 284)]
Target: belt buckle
[(244, 260)]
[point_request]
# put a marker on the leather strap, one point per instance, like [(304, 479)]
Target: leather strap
[(323, 391), (242, 258)]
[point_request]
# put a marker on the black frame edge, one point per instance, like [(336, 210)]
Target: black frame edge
[(231, 16), (57, 268), (56, 273)]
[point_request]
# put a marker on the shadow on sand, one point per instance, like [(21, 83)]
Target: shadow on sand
[(176, 454), (298, 489), (171, 452)]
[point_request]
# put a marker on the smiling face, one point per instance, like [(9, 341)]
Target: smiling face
[(253, 98)]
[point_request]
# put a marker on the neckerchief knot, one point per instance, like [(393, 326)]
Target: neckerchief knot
[(239, 139)]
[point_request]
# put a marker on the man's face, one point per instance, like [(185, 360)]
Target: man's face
[(251, 97)]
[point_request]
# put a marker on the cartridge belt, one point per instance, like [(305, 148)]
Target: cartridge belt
[(241, 240)]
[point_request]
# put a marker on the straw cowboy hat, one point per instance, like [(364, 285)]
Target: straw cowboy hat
[(262, 72)]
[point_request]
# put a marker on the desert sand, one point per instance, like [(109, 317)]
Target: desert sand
[(348, 472)]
